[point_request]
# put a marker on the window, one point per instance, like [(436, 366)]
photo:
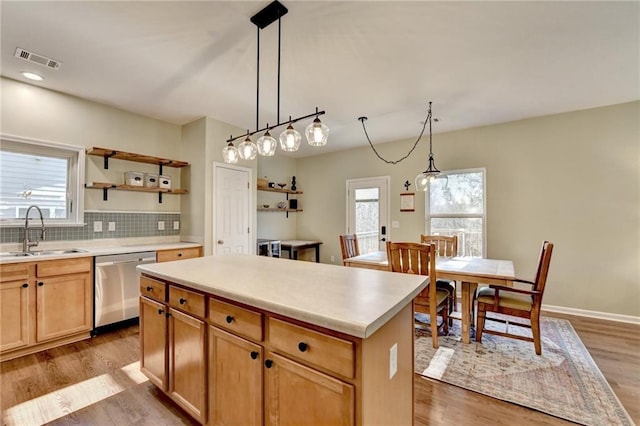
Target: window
[(456, 206), (44, 174)]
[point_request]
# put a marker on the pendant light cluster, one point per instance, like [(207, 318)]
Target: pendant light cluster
[(423, 179), (316, 133)]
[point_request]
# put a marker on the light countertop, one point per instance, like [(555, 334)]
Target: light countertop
[(354, 301)]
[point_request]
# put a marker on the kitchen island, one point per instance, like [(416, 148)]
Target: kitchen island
[(242, 339)]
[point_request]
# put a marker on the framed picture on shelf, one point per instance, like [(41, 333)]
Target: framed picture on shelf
[(407, 200)]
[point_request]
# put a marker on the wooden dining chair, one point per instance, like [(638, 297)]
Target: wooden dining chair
[(445, 246), (349, 246), (417, 258), (516, 302)]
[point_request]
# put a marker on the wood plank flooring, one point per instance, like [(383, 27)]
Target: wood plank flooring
[(97, 382)]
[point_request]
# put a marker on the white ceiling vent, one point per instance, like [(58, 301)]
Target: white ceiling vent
[(38, 59)]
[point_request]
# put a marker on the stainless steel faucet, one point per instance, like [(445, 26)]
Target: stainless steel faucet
[(26, 244)]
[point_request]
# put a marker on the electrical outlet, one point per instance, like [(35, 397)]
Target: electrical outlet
[(176, 225), (112, 226), (161, 225), (333, 259), (97, 226), (393, 360)]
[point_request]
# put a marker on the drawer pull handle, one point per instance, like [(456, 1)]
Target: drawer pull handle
[(229, 319), (254, 354), (268, 363), (160, 311), (183, 301), (302, 346), (25, 285), (40, 284), (149, 288)]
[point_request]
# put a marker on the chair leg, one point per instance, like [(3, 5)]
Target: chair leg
[(535, 330), (480, 325), (445, 320), (455, 296)]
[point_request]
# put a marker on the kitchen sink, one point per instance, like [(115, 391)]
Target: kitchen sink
[(42, 252)]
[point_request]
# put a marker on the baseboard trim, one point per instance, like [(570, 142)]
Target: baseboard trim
[(591, 314)]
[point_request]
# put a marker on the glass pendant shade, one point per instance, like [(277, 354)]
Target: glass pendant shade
[(247, 149), (266, 145), (230, 154), (424, 178), (317, 133), (290, 139)]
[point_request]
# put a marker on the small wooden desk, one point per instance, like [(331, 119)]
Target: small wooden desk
[(468, 270), (292, 247)]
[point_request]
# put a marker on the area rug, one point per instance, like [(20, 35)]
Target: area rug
[(564, 381)]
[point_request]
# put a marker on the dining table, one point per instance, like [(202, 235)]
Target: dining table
[(470, 271)]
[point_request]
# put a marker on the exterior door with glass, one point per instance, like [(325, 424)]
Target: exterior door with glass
[(368, 212)]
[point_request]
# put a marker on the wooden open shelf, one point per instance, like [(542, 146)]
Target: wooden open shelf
[(130, 156), (275, 209), (282, 191)]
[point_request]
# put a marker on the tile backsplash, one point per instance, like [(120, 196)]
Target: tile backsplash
[(112, 225)]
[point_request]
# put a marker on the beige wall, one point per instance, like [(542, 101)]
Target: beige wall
[(36, 113), (572, 178)]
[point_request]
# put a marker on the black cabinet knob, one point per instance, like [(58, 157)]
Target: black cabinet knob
[(179, 254), (302, 347), (268, 363), (160, 311), (40, 284), (183, 301), (149, 288), (254, 354), (229, 319), (25, 285)]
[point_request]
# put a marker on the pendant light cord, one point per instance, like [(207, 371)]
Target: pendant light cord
[(415, 144)]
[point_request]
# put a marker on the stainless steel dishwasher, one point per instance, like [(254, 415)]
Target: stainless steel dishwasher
[(117, 288)]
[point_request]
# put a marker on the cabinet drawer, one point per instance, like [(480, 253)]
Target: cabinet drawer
[(317, 348), (152, 289), (187, 301), (236, 319), (14, 272), (63, 267), (178, 254)]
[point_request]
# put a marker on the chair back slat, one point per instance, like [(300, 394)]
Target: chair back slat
[(445, 245), (349, 246)]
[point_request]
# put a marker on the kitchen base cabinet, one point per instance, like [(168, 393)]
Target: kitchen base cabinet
[(153, 342), (44, 305), (299, 395)]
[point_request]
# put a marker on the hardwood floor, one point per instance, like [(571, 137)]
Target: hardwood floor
[(97, 382)]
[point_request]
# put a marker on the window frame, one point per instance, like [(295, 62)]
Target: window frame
[(75, 178), (483, 216)]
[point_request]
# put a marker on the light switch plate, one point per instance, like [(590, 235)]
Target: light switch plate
[(393, 360), (161, 225), (395, 224), (97, 226)]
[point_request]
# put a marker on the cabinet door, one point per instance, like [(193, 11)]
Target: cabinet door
[(153, 342), (187, 367), (64, 305), (16, 297), (298, 395), (235, 380)]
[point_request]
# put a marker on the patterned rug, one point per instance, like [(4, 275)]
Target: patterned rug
[(564, 381)]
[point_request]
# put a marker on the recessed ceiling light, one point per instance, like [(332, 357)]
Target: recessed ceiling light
[(32, 76)]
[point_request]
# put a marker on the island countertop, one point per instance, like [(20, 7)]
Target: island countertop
[(353, 301)]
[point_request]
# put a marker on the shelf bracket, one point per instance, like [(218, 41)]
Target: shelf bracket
[(160, 193), (160, 172), (106, 160), (105, 190)]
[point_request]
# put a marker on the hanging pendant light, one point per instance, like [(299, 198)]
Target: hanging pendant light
[(230, 154), (317, 132), (266, 144), (247, 149), (424, 178), (290, 139)]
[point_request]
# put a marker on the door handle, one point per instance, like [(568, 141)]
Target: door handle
[(220, 241)]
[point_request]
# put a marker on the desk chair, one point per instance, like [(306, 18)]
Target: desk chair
[(416, 258), (349, 246), (516, 302)]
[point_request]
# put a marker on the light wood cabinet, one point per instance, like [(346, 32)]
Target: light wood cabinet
[(45, 304), (178, 254), (172, 341)]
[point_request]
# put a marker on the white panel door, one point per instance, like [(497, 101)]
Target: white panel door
[(368, 212), (232, 200)]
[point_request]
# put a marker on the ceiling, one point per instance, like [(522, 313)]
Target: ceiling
[(479, 62)]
